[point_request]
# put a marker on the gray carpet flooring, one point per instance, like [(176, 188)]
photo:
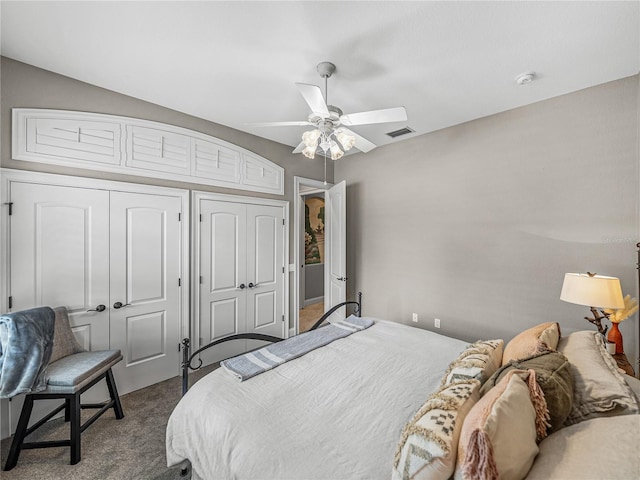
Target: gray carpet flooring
[(131, 448)]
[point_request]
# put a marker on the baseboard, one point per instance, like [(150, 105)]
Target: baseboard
[(311, 301)]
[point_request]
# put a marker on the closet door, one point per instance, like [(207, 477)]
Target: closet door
[(60, 255), (265, 270), (145, 287), (222, 270)]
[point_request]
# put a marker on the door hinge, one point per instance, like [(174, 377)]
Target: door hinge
[(10, 207), (10, 302), (179, 217), (283, 222), (283, 318), (282, 269), (200, 278), (200, 217), (179, 347), (179, 282)]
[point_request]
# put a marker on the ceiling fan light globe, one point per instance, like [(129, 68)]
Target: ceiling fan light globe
[(309, 151), (347, 141), (310, 138), (336, 153)]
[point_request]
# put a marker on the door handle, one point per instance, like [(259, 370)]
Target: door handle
[(252, 285), (342, 279), (99, 308), (242, 286), (120, 305)]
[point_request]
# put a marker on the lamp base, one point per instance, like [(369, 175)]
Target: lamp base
[(616, 337), (597, 320)]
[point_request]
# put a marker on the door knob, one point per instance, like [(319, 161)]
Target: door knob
[(120, 305), (252, 285), (242, 286), (99, 308)]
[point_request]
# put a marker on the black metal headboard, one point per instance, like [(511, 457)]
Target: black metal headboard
[(187, 356)]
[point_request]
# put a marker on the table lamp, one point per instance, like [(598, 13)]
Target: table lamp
[(593, 291)]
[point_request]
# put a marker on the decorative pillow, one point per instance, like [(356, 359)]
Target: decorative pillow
[(498, 438), (478, 361), (599, 389), (600, 448), (429, 442), (553, 374), (537, 339), (64, 341)]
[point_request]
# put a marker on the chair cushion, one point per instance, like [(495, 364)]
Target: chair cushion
[(64, 341), (71, 373)]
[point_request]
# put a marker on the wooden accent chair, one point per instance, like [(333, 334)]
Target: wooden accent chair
[(71, 372)]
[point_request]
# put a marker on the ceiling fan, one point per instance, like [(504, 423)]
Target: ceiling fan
[(330, 132)]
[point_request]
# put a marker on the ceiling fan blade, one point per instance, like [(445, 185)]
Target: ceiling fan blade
[(396, 114), (362, 143), (279, 124), (313, 96), (299, 148)]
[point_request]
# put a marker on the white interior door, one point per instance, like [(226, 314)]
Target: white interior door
[(222, 271), (336, 249), (60, 255), (265, 270), (145, 287)]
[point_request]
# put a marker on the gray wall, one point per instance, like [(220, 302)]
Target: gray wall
[(313, 281), (25, 86), (477, 224)]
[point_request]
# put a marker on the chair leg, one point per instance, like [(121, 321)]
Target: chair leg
[(67, 408), (113, 392), (21, 429), (75, 428)]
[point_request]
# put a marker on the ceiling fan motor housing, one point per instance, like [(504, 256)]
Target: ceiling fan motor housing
[(326, 69)]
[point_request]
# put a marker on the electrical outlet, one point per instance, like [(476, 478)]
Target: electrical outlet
[(415, 317), (436, 322)]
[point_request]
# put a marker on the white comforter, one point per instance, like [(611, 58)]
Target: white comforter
[(335, 413)]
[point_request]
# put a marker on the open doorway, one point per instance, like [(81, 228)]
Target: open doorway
[(312, 267), (308, 295)]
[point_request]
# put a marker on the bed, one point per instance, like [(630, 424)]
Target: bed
[(359, 407)]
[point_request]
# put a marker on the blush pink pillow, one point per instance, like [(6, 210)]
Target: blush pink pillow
[(538, 339)]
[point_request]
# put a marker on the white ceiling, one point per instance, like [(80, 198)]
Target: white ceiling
[(236, 62)]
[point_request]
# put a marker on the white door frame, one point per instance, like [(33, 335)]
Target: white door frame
[(196, 197), (298, 259)]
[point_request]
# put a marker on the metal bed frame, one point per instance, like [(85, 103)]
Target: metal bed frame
[(187, 357)]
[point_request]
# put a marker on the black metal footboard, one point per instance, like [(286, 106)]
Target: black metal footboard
[(187, 356)]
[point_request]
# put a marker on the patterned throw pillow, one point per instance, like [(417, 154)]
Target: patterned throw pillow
[(538, 339), (478, 361), (499, 436), (428, 444)]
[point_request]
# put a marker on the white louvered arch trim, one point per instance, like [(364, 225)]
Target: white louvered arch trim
[(134, 146)]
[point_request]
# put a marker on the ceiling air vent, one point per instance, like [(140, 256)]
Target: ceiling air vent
[(398, 133)]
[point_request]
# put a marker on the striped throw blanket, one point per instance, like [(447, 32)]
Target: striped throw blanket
[(254, 363)]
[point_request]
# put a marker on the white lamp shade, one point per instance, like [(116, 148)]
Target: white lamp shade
[(592, 291)]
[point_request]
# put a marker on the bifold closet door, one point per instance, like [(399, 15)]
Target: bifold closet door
[(145, 287)]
